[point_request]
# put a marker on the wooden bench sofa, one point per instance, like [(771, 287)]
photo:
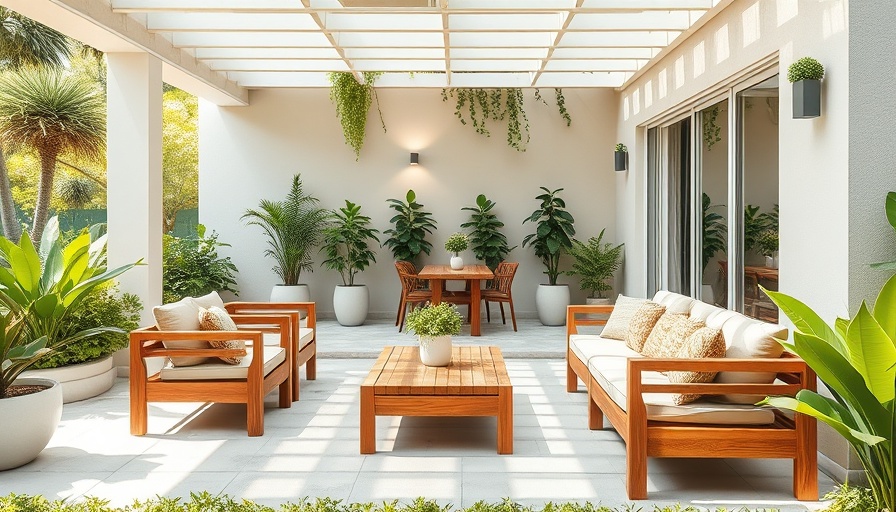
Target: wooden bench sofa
[(628, 389)]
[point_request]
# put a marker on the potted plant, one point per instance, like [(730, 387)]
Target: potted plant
[(293, 228), (456, 243), (434, 326), (621, 157), (346, 246), (715, 233), (805, 74), (767, 243), (38, 299), (487, 241), (411, 224), (595, 262), (856, 360), (553, 236)]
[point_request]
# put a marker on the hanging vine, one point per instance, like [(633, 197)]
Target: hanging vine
[(353, 100), (711, 130), (481, 106)]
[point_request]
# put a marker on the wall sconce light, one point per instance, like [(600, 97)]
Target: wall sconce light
[(415, 158)]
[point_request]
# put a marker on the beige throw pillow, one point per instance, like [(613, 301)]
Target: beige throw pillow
[(182, 315), (621, 317), (216, 319), (704, 342), (642, 323), (208, 300), (671, 332)]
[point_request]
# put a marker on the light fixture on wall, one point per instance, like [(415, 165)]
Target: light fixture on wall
[(415, 158)]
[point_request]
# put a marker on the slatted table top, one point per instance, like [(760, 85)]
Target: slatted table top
[(472, 371)]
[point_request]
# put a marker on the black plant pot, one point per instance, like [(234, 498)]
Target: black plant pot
[(806, 99), (621, 160)]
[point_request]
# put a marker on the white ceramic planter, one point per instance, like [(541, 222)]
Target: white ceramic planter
[(350, 303), (457, 263), (435, 351), (29, 422), (291, 293), (551, 302), (80, 381)]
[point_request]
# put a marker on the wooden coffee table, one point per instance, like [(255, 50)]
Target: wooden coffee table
[(474, 384)]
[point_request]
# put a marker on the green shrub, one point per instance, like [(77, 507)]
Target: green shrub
[(850, 499), (435, 320), (806, 68), (191, 266), (103, 307)]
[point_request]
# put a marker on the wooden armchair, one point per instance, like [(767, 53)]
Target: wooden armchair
[(302, 332), (248, 382)]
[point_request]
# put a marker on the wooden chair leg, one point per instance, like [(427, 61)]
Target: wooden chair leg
[(572, 380), (805, 465), (488, 313), (512, 315), (311, 367), (400, 308), (595, 415), (255, 409), (636, 469), (503, 318), (285, 398)]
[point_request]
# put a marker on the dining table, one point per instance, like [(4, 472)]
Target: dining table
[(474, 274)]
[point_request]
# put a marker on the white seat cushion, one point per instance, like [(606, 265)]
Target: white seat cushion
[(607, 362), (305, 337), (273, 356)]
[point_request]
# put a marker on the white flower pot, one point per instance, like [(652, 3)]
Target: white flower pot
[(435, 351), (350, 303), (551, 302), (291, 293), (457, 263), (29, 422), (80, 381)]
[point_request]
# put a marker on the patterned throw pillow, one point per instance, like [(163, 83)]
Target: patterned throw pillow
[(642, 323), (216, 319), (671, 332), (705, 342), (621, 317)]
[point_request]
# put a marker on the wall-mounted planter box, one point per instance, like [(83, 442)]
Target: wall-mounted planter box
[(621, 160), (806, 99)]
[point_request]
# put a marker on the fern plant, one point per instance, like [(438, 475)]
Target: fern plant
[(411, 223), (595, 262), (487, 241)]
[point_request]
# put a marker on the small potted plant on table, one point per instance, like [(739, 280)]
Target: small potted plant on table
[(456, 243), (434, 326)]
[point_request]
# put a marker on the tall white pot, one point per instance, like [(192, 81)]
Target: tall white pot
[(29, 422), (291, 293), (551, 302), (350, 303)]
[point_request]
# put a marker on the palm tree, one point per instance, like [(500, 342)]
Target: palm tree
[(24, 41), (51, 113)]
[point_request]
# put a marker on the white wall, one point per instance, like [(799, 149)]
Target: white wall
[(250, 153), (813, 160)]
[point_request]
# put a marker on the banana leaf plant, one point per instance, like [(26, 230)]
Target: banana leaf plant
[(38, 294), (856, 360), (890, 207)]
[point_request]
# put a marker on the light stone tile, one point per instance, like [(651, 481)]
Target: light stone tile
[(538, 488), (545, 464), (274, 488), (123, 487), (52, 485), (444, 488)]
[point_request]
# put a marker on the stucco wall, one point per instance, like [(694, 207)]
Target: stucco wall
[(250, 153)]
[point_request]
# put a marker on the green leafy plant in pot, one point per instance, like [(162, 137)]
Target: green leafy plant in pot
[(293, 228), (346, 245), (856, 360), (410, 224), (595, 262), (552, 237), (487, 241), (39, 296), (456, 243), (434, 325), (805, 74)]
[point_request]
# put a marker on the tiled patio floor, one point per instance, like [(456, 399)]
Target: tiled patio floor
[(312, 448)]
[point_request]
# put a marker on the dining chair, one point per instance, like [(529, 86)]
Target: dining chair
[(411, 292), (408, 268), (500, 292)]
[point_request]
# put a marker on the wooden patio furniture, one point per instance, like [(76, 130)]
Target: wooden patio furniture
[(501, 291)]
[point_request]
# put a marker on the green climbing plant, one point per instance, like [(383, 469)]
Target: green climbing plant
[(711, 129), (480, 107), (353, 100)]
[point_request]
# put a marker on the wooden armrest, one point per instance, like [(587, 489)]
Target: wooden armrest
[(238, 307), (720, 364), (575, 313)]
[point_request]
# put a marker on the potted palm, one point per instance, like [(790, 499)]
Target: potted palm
[(552, 237), (595, 262), (410, 224), (487, 241), (456, 243), (434, 326), (347, 250), (293, 228), (38, 298)]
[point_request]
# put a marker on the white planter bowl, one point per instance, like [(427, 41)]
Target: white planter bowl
[(29, 422), (435, 351), (350, 303), (291, 293), (80, 381), (551, 302)]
